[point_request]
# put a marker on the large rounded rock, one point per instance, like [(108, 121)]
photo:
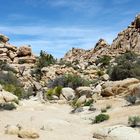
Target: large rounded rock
[(7, 96), (81, 100), (68, 93), (12, 130), (87, 91), (28, 133), (24, 51), (122, 87), (120, 132)]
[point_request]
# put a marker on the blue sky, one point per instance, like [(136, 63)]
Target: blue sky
[(58, 25)]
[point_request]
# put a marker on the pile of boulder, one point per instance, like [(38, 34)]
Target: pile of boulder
[(13, 54)]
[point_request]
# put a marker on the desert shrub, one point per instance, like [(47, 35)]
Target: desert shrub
[(131, 99), (134, 121), (12, 84), (55, 91), (45, 60), (104, 60), (68, 80), (7, 106), (100, 118), (100, 73), (89, 102), (49, 94), (128, 66)]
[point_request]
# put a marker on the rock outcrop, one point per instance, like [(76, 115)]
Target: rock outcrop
[(124, 87), (13, 54)]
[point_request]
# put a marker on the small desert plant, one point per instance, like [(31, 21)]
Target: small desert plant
[(49, 94), (104, 61), (45, 60), (100, 118), (55, 91), (131, 99), (100, 73), (89, 102), (69, 80), (7, 106), (12, 84), (134, 121)]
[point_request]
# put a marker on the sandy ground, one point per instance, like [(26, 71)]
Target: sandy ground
[(54, 121)]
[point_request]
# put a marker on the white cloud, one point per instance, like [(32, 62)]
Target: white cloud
[(57, 40)]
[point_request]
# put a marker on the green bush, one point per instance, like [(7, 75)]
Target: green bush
[(7, 106), (131, 99), (100, 73), (55, 91), (100, 118), (104, 60), (69, 80), (12, 84), (134, 121), (89, 102), (49, 94), (45, 60), (128, 66)]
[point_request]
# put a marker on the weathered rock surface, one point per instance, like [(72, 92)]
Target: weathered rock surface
[(122, 87), (12, 130), (6, 96), (120, 132), (28, 133), (24, 51), (68, 93), (87, 91)]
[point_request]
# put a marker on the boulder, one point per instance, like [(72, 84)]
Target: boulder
[(97, 89), (3, 38), (81, 100), (87, 91), (23, 60), (119, 132), (24, 51), (3, 50), (12, 130), (7, 96), (122, 87), (37, 85), (68, 93), (10, 47), (28, 133), (105, 77)]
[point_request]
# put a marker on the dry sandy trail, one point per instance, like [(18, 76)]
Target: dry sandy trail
[(55, 120)]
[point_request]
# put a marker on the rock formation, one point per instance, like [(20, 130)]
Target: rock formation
[(13, 54)]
